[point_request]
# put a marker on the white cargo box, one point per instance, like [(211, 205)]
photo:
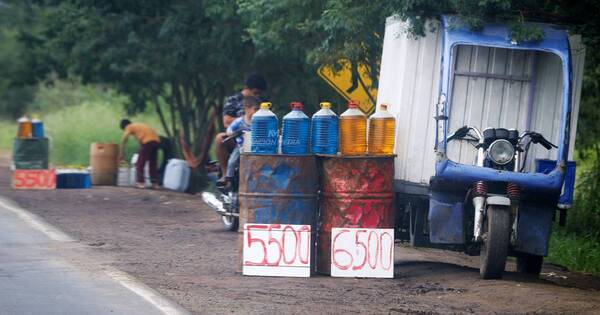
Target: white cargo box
[(492, 87)]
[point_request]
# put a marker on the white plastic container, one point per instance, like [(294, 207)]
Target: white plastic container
[(177, 175), (133, 172), (123, 177)]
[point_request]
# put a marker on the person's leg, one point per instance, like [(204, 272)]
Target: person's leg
[(222, 150), (233, 162), (152, 160), (141, 162)]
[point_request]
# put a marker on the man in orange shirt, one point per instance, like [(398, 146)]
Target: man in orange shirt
[(148, 152)]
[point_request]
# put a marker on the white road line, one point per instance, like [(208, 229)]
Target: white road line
[(36, 222), (153, 297), (150, 295)]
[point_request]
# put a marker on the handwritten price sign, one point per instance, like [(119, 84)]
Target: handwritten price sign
[(367, 253), (34, 179), (276, 250)]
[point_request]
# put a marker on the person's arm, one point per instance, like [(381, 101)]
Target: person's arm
[(122, 145)]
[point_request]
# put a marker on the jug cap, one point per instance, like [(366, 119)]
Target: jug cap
[(266, 105), (353, 104), (297, 105), (384, 106), (325, 105)]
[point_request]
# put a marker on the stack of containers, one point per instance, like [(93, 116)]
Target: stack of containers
[(30, 150), (279, 188), (30, 157), (357, 185)]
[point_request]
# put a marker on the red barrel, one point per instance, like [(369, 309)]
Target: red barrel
[(356, 192)]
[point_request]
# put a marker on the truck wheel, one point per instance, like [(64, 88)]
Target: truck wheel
[(495, 242), (530, 264), (230, 223)]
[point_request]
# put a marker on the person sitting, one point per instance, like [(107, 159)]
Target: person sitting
[(254, 85), (147, 153), (243, 124)]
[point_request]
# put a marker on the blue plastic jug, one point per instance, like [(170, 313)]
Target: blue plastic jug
[(295, 131), (264, 130), (37, 128), (325, 131)]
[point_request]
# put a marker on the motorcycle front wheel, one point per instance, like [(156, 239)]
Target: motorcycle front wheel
[(494, 248), (231, 223)]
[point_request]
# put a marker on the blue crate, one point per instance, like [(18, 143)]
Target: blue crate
[(566, 198), (73, 180)]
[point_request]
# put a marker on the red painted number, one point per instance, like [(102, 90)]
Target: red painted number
[(287, 245), (366, 250)]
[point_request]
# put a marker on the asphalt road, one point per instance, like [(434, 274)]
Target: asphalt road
[(43, 271)]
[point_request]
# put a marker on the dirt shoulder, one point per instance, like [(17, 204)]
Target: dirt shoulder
[(175, 244)]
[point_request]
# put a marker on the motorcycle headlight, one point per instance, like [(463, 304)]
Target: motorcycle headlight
[(501, 152)]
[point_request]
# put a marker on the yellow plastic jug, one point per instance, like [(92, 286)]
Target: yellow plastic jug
[(353, 130), (382, 132)]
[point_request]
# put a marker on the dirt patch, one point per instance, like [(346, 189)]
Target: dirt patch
[(175, 244)]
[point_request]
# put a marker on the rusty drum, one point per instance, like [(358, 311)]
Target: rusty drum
[(104, 163), (279, 189), (356, 191)]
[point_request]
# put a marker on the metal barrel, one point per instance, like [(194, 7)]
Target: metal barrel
[(279, 189), (104, 163), (356, 192)]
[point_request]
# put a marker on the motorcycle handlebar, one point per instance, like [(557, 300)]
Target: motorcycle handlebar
[(233, 136)]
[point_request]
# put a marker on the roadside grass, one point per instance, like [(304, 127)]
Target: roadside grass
[(8, 130), (579, 253), (75, 116), (73, 129)]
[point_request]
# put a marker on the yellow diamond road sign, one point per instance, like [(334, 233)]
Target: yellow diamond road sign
[(359, 90)]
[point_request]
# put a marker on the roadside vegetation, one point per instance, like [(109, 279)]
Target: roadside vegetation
[(74, 116), (82, 65)]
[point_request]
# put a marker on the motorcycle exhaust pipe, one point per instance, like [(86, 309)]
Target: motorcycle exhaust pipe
[(214, 202)]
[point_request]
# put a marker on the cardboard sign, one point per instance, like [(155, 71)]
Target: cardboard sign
[(34, 179), (277, 250), (364, 253)]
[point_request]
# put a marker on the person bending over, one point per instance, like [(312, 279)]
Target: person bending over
[(147, 153)]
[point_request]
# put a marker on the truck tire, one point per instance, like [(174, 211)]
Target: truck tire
[(496, 239), (530, 264)]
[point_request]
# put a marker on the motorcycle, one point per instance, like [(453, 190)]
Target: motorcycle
[(496, 205), (224, 200)]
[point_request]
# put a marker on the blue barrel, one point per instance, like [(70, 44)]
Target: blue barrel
[(279, 189), (295, 131)]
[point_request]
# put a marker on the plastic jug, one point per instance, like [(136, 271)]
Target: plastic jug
[(353, 130), (295, 131), (264, 130), (24, 130), (37, 128), (177, 175), (382, 132), (325, 124)]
